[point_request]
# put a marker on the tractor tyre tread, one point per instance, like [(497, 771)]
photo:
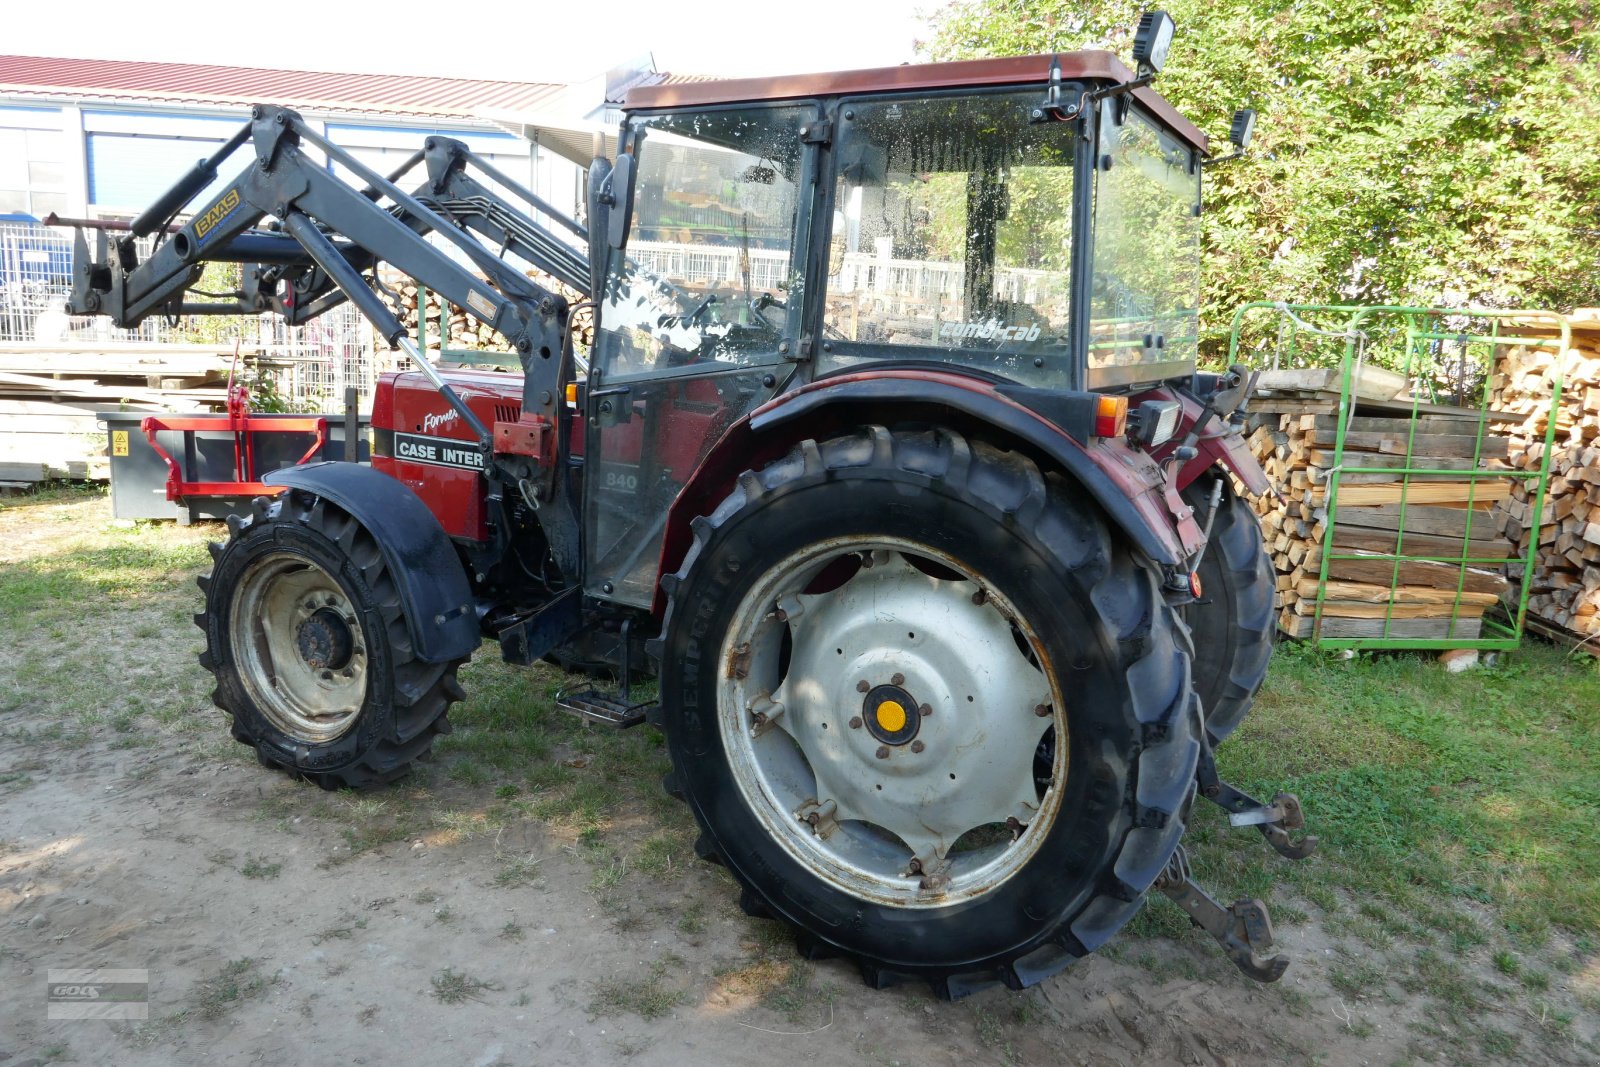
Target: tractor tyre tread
[(1235, 621)]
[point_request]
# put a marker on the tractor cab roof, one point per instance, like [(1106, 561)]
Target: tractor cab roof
[(912, 77)]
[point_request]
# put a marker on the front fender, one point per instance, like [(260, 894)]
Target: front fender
[(427, 573), (1126, 483)]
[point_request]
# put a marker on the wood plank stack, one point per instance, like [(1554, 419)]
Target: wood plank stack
[(1564, 589), (50, 392), (1294, 436), (127, 377), (466, 332)]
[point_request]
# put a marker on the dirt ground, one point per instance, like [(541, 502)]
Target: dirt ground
[(525, 898)]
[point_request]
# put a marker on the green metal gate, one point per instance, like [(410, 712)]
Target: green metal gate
[(1448, 358)]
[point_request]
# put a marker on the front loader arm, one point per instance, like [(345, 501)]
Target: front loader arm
[(328, 236), (327, 233)]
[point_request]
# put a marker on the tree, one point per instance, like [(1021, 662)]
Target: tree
[(1439, 152)]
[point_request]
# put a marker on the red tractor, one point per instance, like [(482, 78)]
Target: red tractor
[(890, 459)]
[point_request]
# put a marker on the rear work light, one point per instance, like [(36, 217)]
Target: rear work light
[(1154, 422), (1110, 416)]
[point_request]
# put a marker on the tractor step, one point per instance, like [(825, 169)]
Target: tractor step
[(608, 709)]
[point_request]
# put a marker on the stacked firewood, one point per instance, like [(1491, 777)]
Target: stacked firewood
[(1564, 589), (464, 332), (1379, 514)]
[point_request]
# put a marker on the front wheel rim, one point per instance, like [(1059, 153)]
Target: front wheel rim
[(298, 646), (893, 721)]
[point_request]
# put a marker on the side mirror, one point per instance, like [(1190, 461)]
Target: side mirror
[(599, 223), (618, 197), (1244, 126)]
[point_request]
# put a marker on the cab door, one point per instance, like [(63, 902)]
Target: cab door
[(699, 322)]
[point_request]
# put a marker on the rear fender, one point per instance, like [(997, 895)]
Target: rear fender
[(1126, 483), (433, 588)]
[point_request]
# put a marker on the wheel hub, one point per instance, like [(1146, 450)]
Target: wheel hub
[(891, 715), (324, 641), (298, 646)]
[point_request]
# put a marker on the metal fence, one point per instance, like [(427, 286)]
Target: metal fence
[(310, 365)]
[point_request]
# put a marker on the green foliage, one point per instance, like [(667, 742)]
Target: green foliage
[(1435, 152)]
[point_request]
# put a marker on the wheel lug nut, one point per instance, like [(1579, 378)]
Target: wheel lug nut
[(883, 751), (863, 686), (917, 746), (1041, 710), (925, 710), (855, 723), (898, 679)]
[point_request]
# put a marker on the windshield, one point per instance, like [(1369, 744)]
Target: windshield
[(952, 234), (1145, 293), (709, 270)]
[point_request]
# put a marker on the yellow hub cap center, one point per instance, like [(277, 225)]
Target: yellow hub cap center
[(891, 716)]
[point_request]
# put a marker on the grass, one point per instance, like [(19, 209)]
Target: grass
[(258, 867), (649, 997), (1455, 811), (220, 994), (454, 987), (1430, 791)]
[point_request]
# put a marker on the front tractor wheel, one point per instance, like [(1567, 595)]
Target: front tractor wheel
[(927, 708), (306, 636)]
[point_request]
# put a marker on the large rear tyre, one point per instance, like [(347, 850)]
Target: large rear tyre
[(928, 709), (306, 636), (1233, 621)]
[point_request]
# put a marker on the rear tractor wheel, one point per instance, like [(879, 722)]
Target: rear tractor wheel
[(1233, 621), (927, 709), (307, 639)]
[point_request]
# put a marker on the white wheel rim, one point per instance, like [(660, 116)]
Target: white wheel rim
[(298, 647), (882, 812)]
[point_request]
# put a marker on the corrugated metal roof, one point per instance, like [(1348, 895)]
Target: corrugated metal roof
[(192, 83)]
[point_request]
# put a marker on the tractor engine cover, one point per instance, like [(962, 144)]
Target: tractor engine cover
[(421, 441)]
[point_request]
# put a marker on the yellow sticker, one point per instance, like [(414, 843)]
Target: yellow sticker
[(119, 442)]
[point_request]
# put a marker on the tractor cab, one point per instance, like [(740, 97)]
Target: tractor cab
[(1032, 221)]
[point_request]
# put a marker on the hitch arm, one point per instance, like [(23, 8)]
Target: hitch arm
[(1274, 820), (1244, 930)]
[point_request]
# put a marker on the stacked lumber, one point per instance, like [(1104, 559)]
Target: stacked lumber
[(1564, 588), (464, 332), (1444, 515), (50, 392), (130, 377)]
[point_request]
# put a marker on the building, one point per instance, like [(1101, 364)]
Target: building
[(102, 138)]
